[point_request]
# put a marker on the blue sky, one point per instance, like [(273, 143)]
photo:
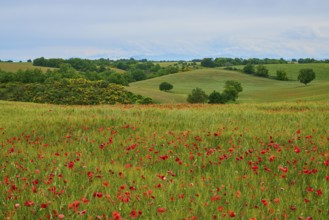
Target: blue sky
[(164, 30)]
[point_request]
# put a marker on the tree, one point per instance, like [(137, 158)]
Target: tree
[(281, 75), (216, 98), (306, 75), (165, 86), (262, 71), (208, 62), (249, 68), (232, 90), (197, 96)]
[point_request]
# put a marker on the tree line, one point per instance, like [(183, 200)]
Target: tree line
[(226, 62), (134, 70)]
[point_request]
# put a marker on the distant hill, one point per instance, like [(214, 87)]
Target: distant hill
[(256, 89), (13, 66)]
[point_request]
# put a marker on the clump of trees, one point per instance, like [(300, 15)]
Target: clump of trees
[(230, 94), (306, 75), (70, 92), (197, 96), (165, 86), (226, 62)]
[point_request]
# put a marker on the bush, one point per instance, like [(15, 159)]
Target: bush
[(165, 86), (281, 75), (262, 71), (197, 96), (216, 98), (306, 75), (249, 68)]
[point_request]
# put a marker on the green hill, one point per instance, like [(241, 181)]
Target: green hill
[(13, 67), (256, 89)]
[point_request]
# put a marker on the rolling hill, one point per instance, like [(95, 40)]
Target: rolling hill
[(256, 89), (13, 67)]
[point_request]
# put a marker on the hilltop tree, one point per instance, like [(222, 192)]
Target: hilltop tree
[(197, 96), (306, 75), (165, 86)]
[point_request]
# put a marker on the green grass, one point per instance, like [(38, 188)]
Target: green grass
[(256, 89), (13, 67), (261, 161)]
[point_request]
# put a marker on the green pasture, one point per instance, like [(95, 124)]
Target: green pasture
[(256, 89), (14, 67)]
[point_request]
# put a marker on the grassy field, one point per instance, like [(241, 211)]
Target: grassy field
[(256, 89), (13, 67), (248, 161)]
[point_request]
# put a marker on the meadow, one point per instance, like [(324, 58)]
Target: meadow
[(14, 66), (246, 161), (256, 89)]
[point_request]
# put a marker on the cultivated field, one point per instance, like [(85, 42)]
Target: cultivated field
[(256, 89), (248, 161), (13, 67)]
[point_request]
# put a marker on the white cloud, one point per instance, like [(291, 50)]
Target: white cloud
[(162, 28)]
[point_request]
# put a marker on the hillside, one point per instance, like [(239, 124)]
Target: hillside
[(13, 67), (256, 89)]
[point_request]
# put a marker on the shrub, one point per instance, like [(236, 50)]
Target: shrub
[(306, 75), (216, 98), (262, 71), (165, 86), (197, 96), (281, 75)]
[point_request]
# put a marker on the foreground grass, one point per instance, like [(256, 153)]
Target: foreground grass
[(164, 161)]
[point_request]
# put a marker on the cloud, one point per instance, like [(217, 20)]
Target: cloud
[(180, 28)]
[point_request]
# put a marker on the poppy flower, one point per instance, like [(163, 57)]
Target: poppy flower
[(116, 215), (29, 203), (133, 214), (98, 194), (74, 205), (161, 210)]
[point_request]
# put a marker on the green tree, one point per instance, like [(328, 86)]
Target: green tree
[(232, 90), (306, 75), (208, 62), (165, 86), (261, 70), (281, 75), (216, 98), (197, 96), (249, 68)]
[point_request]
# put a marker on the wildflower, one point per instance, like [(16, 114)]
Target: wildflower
[(161, 210)]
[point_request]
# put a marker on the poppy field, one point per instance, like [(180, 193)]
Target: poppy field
[(245, 161)]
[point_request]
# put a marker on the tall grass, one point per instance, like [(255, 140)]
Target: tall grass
[(164, 161)]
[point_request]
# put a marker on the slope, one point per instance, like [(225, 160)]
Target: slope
[(256, 89)]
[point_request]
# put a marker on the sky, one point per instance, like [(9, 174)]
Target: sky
[(164, 30)]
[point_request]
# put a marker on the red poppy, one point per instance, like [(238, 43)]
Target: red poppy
[(74, 205), (29, 203), (133, 214), (116, 215), (297, 150), (161, 210), (98, 194)]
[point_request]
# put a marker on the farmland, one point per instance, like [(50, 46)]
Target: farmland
[(256, 89), (13, 67), (248, 161)]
